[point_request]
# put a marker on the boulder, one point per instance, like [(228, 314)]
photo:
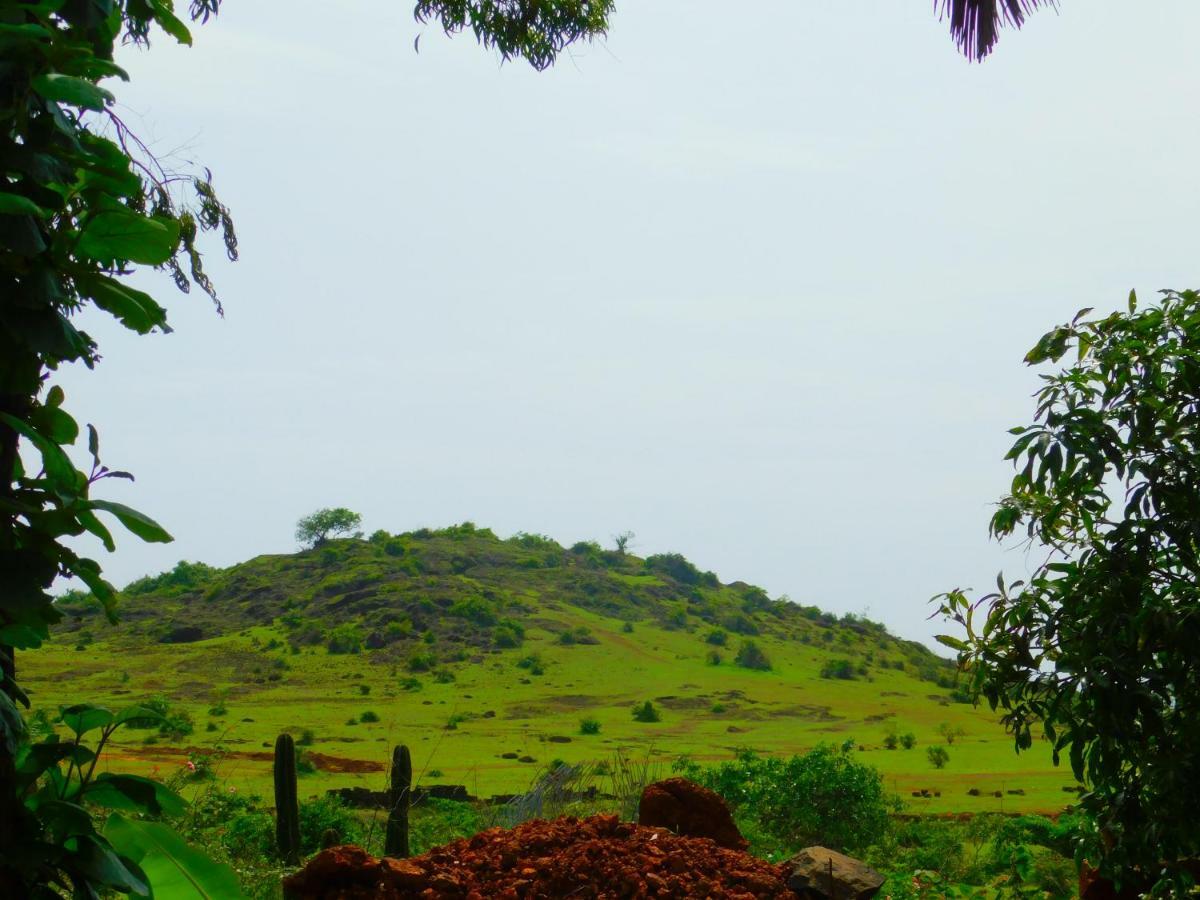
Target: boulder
[(689, 810), (819, 873)]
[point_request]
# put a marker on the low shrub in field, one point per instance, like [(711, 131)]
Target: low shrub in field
[(908, 740), (532, 664), (938, 756), (369, 717), (646, 712), (822, 797), (589, 726), (421, 662), (345, 638)]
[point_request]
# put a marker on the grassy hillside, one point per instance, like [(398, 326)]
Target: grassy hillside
[(488, 657)]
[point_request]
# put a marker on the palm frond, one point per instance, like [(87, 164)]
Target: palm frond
[(975, 24)]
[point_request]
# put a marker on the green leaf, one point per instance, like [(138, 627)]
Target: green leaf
[(135, 309), (94, 526), (170, 23), (35, 760), (16, 205), (176, 871), (65, 819), (73, 91), (12, 726), (132, 793), (55, 424), (139, 523), (952, 642), (58, 465), (114, 235), (85, 717), (104, 867)]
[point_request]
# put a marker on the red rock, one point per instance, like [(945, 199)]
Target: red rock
[(689, 810)]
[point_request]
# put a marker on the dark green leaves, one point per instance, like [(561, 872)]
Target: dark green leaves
[(139, 523), (132, 793), (15, 204), (71, 90), (536, 31), (84, 718), (122, 235), (1099, 645), (135, 309)]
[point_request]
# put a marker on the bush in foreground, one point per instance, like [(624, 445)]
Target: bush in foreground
[(823, 797)]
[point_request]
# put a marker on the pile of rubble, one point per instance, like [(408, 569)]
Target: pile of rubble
[(685, 845)]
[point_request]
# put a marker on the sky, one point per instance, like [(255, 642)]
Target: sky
[(755, 287)]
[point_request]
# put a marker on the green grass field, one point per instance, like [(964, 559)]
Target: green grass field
[(496, 708)]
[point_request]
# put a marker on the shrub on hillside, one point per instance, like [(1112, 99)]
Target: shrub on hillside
[(751, 656), (345, 638), (184, 577), (369, 717), (739, 623), (891, 741), (908, 740), (676, 566), (506, 636), (475, 609), (589, 726), (646, 712), (421, 662), (714, 658), (718, 637), (532, 664), (824, 797), (580, 635), (839, 668)]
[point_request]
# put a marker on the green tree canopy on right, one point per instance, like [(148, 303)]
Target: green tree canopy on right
[(1098, 646)]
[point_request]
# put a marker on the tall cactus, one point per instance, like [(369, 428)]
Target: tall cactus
[(395, 842), (287, 807)]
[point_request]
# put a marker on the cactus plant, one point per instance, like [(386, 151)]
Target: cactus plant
[(396, 837), (287, 807)]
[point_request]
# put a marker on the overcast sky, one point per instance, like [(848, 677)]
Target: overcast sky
[(756, 287)]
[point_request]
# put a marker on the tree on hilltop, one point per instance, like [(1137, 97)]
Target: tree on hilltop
[(316, 529)]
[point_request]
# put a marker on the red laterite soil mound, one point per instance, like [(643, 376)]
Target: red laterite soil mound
[(598, 857)]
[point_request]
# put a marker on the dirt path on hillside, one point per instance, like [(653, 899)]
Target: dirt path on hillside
[(322, 761)]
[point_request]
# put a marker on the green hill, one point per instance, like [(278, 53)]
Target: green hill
[(488, 655)]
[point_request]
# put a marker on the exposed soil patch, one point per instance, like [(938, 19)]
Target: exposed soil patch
[(322, 761)]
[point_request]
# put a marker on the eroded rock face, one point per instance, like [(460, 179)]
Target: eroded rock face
[(597, 857), (819, 873), (689, 810)]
